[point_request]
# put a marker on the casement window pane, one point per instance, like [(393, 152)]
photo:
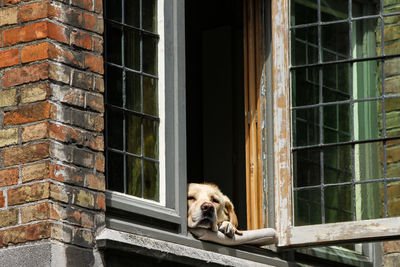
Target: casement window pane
[(393, 196), (114, 85), (132, 49), (365, 8), (134, 176), (114, 126), (151, 180), (114, 45), (367, 121), (150, 96), (150, 139), (133, 98), (133, 134), (336, 82), (337, 164), (370, 200), (332, 10), (304, 46), (302, 13), (132, 12), (115, 166), (150, 54), (333, 47), (338, 202), (150, 15), (367, 79), (337, 123), (368, 161), (308, 80), (307, 205), (306, 127), (306, 167), (391, 35), (364, 37), (113, 9), (392, 109)]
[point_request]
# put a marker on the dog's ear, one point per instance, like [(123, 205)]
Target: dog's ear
[(229, 210)]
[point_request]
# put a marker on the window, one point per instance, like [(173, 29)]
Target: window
[(334, 150)]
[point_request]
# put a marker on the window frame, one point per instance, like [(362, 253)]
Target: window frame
[(123, 209), (291, 236)]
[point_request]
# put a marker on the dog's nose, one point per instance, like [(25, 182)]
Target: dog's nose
[(207, 207)]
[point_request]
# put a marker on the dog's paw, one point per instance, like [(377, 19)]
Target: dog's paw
[(227, 228)]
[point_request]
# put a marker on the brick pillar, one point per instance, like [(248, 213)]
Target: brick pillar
[(51, 131)]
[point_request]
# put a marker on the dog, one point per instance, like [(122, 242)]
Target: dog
[(209, 208)]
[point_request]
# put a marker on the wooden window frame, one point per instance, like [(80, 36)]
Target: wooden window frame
[(320, 234)]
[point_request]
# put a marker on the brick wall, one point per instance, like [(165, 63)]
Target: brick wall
[(51, 122)]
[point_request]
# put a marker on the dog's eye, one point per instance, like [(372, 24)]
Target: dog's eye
[(215, 200), (190, 198)]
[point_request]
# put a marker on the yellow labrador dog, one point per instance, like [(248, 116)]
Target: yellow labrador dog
[(209, 208)]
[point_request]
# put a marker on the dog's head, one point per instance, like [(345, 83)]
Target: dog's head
[(208, 207)]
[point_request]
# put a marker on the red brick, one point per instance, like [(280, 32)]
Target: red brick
[(35, 212), (26, 33), (96, 181), (94, 63), (28, 193), (64, 133), (58, 32), (13, 2), (65, 55), (81, 39), (34, 52), (25, 74), (92, 23), (25, 154), (100, 162), (37, 171), (98, 44), (30, 113), (9, 177), (35, 132), (85, 4), (98, 6), (9, 57), (2, 200), (66, 174), (8, 217), (34, 11), (101, 202), (34, 92)]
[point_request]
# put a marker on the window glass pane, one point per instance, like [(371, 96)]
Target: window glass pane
[(134, 176), (150, 96), (334, 10), (392, 108), (132, 12), (307, 207), (338, 203), (335, 41), (114, 85), (336, 82), (151, 180), (133, 134), (150, 15), (133, 91), (306, 127), (132, 49), (303, 12), (306, 167), (393, 158), (390, 6), (370, 201), (113, 9), (113, 45), (392, 76), (391, 35), (337, 123), (304, 46), (393, 196), (368, 161), (305, 86), (337, 164), (150, 138), (367, 79), (366, 120), (115, 173), (115, 128), (150, 54), (364, 37), (365, 8)]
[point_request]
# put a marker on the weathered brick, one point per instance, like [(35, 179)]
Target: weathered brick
[(9, 57), (100, 162), (9, 177), (35, 132), (8, 137), (66, 94), (61, 152), (63, 54), (26, 33), (97, 142), (8, 16), (30, 113), (391, 260), (28, 193), (97, 44), (98, 6), (8, 98), (25, 74), (392, 154), (61, 233), (58, 32), (35, 212), (27, 153), (8, 217), (87, 120), (82, 79), (80, 217), (34, 52), (38, 231), (57, 212), (391, 247), (101, 202), (59, 73), (93, 23), (96, 181), (81, 39), (34, 92), (84, 198), (13, 2), (60, 192), (85, 4), (94, 63), (82, 237), (2, 200), (67, 174), (34, 11), (95, 102), (83, 158), (37, 171)]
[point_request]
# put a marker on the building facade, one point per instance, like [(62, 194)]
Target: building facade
[(109, 108)]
